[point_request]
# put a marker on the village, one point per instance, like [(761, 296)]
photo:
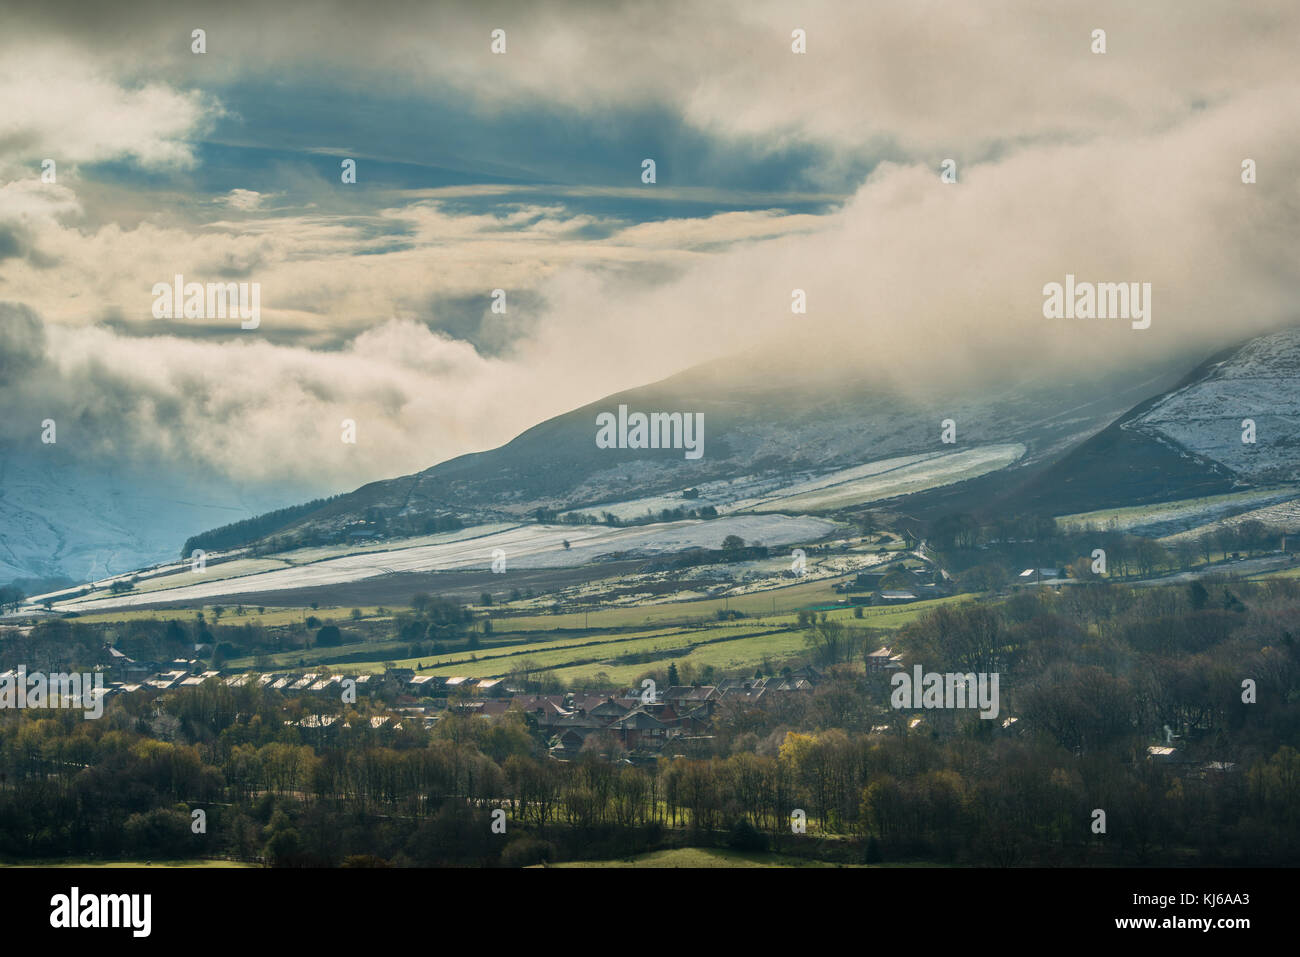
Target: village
[(633, 724)]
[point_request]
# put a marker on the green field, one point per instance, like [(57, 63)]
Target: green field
[(704, 857), (623, 643), (156, 864), (271, 618), (729, 646)]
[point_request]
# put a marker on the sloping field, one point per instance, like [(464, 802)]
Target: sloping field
[(906, 475), (1284, 515), (728, 646), (523, 546), (704, 857), (1169, 518)]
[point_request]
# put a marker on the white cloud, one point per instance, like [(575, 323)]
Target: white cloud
[(58, 106), (245, 200)]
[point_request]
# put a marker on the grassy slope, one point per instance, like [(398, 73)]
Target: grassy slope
[(702, 857), (86, 863)]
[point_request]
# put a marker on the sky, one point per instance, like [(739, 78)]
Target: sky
[(522, 171)]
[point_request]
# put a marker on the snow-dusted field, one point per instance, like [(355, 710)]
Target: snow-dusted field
[(524, 546), (886, 479), (872, 481), (1186, 512), (1281, 515), (724, 495)]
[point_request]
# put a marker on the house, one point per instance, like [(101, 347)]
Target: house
[(883, 659), (864, 581), (424, 685), (491, 686), (1218, 768), (639, 729), (490, 708), (581, 700), (195, 680), (1039, 574), (695, 722), (167, 679), (540, 710), (808, 672), (791, 684), (612, 708), (896, 597), (749, 693), (138, 671), (691, 697), (581, 721), (1163, 754), (117, 662), (567, 744)]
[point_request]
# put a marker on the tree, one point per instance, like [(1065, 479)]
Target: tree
[(1254, 535), (11, 596), (356, 614), (960, 531), (746, 837), (1149, 555), (732, 543), (485, 598), (329, 636), (989, 576), (673, 679), (964, 638), (830, 642), (1187, 552), (284, 844), (1081, 569)]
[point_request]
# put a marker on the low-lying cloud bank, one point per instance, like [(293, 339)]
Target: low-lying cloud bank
[(1124, 167)]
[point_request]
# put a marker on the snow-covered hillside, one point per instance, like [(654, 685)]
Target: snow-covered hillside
[(1261, 382), (62, 518)]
